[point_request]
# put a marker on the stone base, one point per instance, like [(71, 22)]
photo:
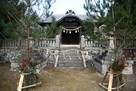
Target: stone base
[(129, 69), (102, 68)]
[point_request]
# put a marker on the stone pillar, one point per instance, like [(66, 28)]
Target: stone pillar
[(82, 44), (31, 43), (111, 43), (57, 41), (134, 59)]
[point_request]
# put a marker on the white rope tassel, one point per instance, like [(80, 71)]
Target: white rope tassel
[(64, 31)]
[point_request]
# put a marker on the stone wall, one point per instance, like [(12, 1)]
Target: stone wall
[(15, 57), (101, 59)]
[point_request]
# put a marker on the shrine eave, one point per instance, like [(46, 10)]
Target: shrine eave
[(59, 17)]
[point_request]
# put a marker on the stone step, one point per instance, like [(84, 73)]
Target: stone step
[(67, 58), (70, 58), (70, 68), (70, 64), (70, 54), (73, 61)]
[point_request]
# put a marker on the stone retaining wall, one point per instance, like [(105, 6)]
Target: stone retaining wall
[(15, 57), (102, 59)]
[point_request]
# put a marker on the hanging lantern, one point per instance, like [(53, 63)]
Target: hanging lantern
[(76, 31)]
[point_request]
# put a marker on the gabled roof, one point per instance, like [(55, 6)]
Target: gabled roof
[(59, 17)]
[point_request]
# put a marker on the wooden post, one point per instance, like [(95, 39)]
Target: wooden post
[(110, 81), (20, 82)]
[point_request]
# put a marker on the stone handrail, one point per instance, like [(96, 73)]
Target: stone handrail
[(9, 43), (105, 43), (85, 43), (44, 43)]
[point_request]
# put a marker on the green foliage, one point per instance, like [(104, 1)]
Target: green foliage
[(49, 31), (16, 22), (9, 27), (116, 18), (111, 18), (47, 6), (10, 14), (96, 10), (53, 29)]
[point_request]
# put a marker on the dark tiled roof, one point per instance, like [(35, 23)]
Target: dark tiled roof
[(59, 17)]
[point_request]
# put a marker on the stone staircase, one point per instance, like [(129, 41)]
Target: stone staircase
[(70, 59)]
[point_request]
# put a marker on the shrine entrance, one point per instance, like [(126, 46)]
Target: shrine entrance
[(71, 28), (70, 36)]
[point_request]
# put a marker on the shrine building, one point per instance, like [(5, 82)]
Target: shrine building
[(71, 25)]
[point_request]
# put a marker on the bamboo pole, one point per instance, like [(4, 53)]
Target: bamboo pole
[(20, 82), (31, 85), (110, 81)]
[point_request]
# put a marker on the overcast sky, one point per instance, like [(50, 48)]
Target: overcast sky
[(61, 6)]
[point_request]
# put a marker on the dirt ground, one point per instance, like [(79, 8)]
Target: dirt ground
[(62, 80), (8, 80)]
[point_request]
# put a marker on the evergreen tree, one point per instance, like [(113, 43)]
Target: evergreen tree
[(115, 19), (7, 22), (22, 21), (13, 15)]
